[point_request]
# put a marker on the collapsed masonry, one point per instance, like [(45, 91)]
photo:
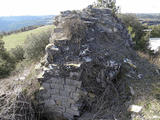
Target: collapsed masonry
[(82, 63)]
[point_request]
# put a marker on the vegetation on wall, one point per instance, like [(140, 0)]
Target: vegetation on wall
[(7, 63), (107, 4), (155, 31), (136, 29)]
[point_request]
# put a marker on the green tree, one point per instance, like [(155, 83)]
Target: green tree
[(7, 63), (136, 29)]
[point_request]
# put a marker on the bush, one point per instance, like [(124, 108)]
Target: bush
[(7, 63), (135, 28), (17, 53), (35, 45), (155, 31)]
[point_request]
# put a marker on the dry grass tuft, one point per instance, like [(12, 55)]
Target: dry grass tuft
[(16, 96)]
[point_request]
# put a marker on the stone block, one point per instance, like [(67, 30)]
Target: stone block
[(40, 77), (73, 83), (46, 85), (58, 97), (81, 92), (46, 95), (58, 109), (71, 101), (69, 88), (75, 75), (75, 96), (54, 91), (69, 116), (57, 86), (74, 107), (78, 83), (49, 102), (73, 112), (61, 109), (65, 103), (58, 102), (64, 93), (57, 80), (58, 30), (48, 81)]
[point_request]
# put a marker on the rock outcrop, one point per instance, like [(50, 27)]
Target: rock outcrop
[(82, 64)]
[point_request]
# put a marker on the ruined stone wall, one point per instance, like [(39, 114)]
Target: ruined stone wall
[(80, 64), (61, 96)]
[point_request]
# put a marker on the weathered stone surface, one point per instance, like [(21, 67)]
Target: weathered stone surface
[(46, 85), (69, 88), (73, 83), (71, 111), (57, 80), (54, 91), (57, 86), (64, 93)]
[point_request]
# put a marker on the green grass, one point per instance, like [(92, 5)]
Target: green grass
[(11, 41)]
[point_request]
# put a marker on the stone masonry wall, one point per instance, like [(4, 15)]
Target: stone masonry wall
[(60, 95)]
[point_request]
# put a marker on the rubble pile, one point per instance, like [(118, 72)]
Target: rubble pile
[(82, 66)]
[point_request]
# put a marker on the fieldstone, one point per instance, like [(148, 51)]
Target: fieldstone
[(140, 76), (135, 108), (38, 67), (132, 91)]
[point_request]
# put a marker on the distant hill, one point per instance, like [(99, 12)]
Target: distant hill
[(150, 16), (12, 23)]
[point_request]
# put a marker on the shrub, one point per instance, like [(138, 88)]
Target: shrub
[(7, 63), (155, 31), (17, 53), (135, 28), (108, 4), (35, 45)]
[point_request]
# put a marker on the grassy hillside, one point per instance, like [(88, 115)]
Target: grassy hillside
[(18, 39)]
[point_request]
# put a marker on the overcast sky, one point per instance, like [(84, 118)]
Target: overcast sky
[(139, 6), (52, 7)]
